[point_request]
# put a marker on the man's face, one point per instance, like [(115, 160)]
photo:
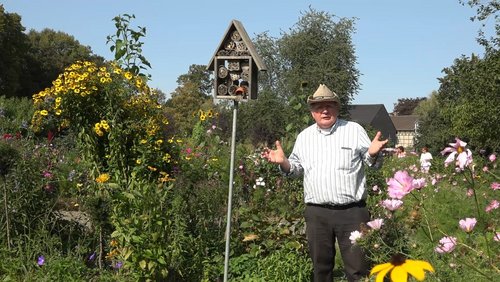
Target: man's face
[(325, 113)]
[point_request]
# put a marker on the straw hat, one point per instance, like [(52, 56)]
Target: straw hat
[(323, 94)]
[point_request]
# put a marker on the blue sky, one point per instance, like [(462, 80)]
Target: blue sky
[(401, 46)]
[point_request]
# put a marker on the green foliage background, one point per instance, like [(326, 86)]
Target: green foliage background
[(152, 190)]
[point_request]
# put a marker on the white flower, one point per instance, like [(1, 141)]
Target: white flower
[(260, 182), (355, 236)]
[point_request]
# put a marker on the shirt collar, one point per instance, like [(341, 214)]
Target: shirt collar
[(327, 131)]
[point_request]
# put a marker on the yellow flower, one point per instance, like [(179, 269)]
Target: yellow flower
[(104, 124), (44, 112), (128, 75), (104, 177), (250, 237), (138, 161), (400, 267), (166, 157)]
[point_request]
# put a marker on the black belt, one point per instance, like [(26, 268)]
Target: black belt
[(360, 204)]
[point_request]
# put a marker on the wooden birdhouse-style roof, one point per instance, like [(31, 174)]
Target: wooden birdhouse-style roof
[(236, 25), (236, 65)]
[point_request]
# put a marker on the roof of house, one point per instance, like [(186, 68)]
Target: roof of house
[(374, 115), (365, 114), (404, 123)]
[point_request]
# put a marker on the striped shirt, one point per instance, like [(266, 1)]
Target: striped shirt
[(332, 163)]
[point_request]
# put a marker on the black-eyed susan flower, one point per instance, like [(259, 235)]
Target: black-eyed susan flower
[(400, 267)]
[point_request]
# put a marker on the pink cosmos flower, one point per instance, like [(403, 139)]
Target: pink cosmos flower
[(376, 224), (446, 245), (496, 236), (457, 149), (392, 204), (419, 183), (355, 236), (470, 192), (400, 185), (467, 224), (492, 157), (492, 206), (495, 186), (434, 181)]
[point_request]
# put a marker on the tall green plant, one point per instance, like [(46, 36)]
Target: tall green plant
[(127, 46)]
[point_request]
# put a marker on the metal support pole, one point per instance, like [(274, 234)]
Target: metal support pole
[(230, 192)]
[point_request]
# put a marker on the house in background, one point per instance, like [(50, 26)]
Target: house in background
[(376, 116), (406, 127)]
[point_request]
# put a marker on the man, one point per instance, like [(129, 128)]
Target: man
[(330, 156)]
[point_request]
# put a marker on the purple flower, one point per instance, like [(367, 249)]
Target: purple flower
[(446, 245), (118, 265), (41, 260)]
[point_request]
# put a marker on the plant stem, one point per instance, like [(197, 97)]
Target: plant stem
[(473, 183), (429, 233), (6, 211), (100, 248)]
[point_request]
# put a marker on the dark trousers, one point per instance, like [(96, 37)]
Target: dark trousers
[(326, 225)]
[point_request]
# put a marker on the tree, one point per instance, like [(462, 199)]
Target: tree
[(467, 105), (259, 121), (188, 98), (50, 53), (198, 75), (316, 50), (484, 11), (271, 80), (405, 106), (13, 47), (470, 91), (433, 128)]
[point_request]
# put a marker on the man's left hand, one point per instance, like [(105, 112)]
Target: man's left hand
[(377, 145)]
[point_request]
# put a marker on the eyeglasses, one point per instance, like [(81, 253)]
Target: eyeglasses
[(322, 106)]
